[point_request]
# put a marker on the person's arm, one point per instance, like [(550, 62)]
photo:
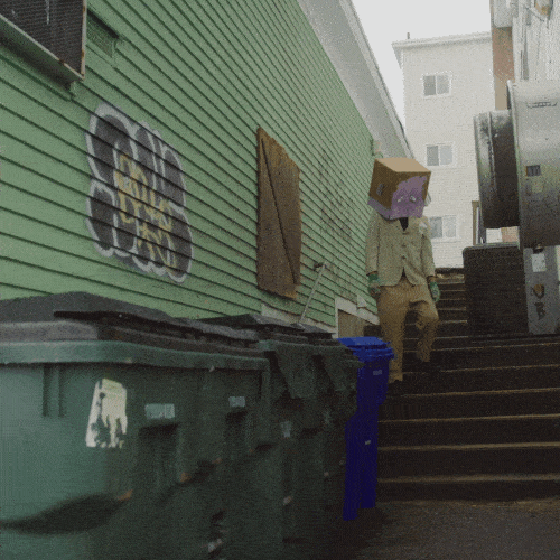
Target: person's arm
[(372, 245), (426, 257), (429, 267)]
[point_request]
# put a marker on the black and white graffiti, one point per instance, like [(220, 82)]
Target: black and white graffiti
[(136, 208)]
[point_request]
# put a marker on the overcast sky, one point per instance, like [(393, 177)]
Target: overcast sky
[(385, 21)]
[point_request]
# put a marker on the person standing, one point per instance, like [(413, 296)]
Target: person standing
[(400, 272)]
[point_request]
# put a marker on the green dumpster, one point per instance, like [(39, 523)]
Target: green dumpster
[(123, 430), (311, 388)]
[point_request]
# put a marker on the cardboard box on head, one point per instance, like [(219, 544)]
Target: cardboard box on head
[(399, 187)]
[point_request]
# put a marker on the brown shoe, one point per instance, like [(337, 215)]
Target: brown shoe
[(395, 388)]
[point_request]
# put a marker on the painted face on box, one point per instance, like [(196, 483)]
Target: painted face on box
[(407, 199)]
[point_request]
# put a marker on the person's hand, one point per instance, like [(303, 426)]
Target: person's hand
[(434, 290), (374, 284)]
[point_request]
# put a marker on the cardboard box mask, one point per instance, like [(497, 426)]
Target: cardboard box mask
[(399, 187)]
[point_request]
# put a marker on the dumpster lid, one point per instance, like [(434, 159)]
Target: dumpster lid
[(313, 332), (86, 307), (259, 323), (513, 246), (47, 308)]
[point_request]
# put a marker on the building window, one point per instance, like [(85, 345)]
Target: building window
[(436, 84), (440, 155), (443, 228), (35, 28)]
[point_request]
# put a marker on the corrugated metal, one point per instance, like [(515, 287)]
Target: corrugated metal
[(203, 76)]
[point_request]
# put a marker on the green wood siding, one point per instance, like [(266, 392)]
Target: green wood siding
[(205, 74)]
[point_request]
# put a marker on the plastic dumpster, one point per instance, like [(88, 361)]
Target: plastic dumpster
[(122, 429), (311, 373), (361, 429)]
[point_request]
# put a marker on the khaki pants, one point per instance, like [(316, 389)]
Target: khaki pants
[(392, 306)]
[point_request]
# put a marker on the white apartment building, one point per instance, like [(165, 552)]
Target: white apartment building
[(534, 27), (447, 81)]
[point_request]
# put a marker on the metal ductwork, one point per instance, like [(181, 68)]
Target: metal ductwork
[(518, 161)]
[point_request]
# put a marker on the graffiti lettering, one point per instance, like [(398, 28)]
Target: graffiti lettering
[(136, 208)]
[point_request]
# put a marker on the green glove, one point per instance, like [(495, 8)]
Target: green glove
[(434, 290), (374, 284)]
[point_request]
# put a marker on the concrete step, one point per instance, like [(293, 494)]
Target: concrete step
[(529, 458), (445, 314), (476, 404), (470, 431), (452, 327), (452, 291), (447, 327), (486, 427), (485, 379), (498, 355), (466, 341), (446, 302), (474, 487)]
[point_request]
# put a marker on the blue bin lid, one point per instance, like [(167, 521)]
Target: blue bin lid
[(359, 341), (368, 348)]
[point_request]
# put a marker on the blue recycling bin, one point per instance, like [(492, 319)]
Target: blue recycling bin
[(361, 430)]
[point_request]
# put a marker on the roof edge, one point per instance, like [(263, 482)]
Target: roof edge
[(350, 31), (399, 46)]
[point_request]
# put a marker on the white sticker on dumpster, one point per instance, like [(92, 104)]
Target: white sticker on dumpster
[(107, 423), (237, 402), (160, 411), (368, 441)]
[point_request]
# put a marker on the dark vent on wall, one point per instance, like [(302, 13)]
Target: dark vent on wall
[(57, 25), (101, 35)]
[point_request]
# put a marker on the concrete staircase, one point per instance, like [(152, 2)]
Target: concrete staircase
[(487, 427)]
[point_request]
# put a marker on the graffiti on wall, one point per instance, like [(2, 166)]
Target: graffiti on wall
[(137, 203)]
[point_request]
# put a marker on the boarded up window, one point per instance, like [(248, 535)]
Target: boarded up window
[(279, 228)]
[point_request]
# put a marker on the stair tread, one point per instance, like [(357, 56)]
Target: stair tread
[(443, 479), (408, 396), (500, 345), (473, 418), (456, 391), (498, 369), (472, 446)]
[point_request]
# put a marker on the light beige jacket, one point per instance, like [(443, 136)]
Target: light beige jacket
[(390, 250)]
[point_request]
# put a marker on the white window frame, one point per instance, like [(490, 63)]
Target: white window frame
[(438, 144), (446, 239), (436, 95)]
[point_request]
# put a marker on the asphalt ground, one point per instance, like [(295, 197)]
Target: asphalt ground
[(451, 531)]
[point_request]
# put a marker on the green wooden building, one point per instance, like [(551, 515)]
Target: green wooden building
[(200, 157)]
